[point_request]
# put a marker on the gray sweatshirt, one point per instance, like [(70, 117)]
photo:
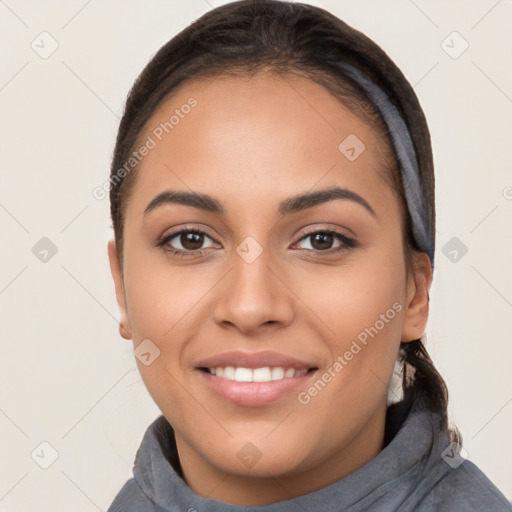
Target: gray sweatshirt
[(417, 470)]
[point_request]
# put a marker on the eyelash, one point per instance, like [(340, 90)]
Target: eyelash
[(348, 242)]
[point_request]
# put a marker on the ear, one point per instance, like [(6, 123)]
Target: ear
[(115, 268), (419, 281)]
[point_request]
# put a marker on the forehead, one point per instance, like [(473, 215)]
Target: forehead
[(258, 137)]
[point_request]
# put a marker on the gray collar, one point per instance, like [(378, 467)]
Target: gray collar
[(395, 472)]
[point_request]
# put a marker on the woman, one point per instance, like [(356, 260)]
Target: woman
[(272, 197)]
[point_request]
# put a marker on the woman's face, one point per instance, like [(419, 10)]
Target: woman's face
[(314, 280)]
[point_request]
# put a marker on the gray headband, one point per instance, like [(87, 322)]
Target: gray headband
[(406, 155)]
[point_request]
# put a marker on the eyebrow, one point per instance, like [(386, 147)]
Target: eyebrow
[(290, 205)]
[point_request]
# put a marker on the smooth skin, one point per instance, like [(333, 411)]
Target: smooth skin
[(252, 143)]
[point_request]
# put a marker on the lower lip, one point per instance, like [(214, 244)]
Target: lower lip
[(254, 394)]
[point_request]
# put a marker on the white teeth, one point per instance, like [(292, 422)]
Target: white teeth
[(277, 373), (264, 374), (243, 375), (289, 373), (229, 373), (261, 374)]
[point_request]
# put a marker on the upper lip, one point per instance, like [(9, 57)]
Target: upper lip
[(262, 359)]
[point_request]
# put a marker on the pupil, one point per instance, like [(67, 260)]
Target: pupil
[(192, 241), (325, 240)]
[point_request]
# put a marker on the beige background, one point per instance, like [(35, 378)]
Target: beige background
[(67, 378)]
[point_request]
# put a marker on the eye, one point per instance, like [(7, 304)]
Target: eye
[(321, 241), (185, 242), (190, 242)]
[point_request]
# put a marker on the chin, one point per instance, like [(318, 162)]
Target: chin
[(262, 459)]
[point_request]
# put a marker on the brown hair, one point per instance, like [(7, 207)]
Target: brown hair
[(281, 37)]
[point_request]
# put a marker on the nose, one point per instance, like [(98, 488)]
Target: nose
[(254, 296)]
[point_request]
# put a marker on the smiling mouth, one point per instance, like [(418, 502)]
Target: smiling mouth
[(263, 374)]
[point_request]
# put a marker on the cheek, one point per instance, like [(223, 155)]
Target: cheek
[(359, 309), (163, 303), (160, 296), (348, 299)]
